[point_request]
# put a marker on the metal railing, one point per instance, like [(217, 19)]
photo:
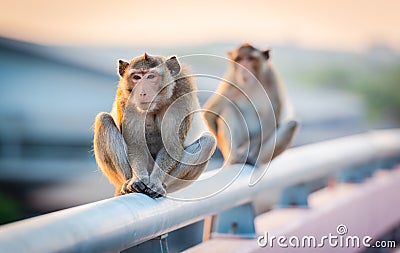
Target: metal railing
[(119, 223)]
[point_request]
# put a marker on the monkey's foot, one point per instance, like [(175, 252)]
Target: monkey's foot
[(155, 190), (135, 185)]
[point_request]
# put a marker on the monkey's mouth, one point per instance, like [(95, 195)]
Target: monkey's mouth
[(146, 105)]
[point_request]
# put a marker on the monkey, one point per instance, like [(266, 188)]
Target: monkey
[(249, 108), (155, 140)]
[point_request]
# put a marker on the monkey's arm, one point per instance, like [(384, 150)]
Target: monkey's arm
[(167, 158), (174, 127), (138, 155), (139, 160), (163, 165)]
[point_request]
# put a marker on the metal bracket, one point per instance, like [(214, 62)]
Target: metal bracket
[(294, 196), (237, 222)]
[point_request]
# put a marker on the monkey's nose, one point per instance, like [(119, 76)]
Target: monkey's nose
[(142, 94)]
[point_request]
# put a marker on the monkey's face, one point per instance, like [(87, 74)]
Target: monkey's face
[(248, 63), (146, 85), (248, 66), (149, 81)]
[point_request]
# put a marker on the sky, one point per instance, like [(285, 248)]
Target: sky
[(344, 25)]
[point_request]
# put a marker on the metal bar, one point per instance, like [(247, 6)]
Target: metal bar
[(119, 223)]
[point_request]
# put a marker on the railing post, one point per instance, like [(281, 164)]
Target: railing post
[(175, 241), (208, 227), (237, 221)]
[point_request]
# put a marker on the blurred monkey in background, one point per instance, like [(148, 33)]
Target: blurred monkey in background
[(250, 113)]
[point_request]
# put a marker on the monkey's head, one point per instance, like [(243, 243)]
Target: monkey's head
[(148, 81), (251, 60)]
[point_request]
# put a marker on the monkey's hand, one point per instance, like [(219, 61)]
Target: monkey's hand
[(155, 189), (135, 185)]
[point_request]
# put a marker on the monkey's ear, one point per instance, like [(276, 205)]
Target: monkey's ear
[(122, 65), (266, 53), (173, 65)]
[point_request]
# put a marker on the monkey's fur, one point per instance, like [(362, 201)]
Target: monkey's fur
[(240, 115), (152, 142)]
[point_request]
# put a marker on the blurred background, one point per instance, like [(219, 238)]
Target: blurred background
[(340, 62)]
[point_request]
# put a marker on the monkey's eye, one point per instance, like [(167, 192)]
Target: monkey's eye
[(237, 59), (151, 76), (137, 77)]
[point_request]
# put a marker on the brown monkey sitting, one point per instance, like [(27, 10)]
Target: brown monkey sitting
[(249, 109), (153, 141)]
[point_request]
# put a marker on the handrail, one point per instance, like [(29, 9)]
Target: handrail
[(118, 223)]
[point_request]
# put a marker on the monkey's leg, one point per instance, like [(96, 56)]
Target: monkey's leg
[(232, 133), (167, 160), (193, 163), (110, 150), (284, 135), (164, 162)]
